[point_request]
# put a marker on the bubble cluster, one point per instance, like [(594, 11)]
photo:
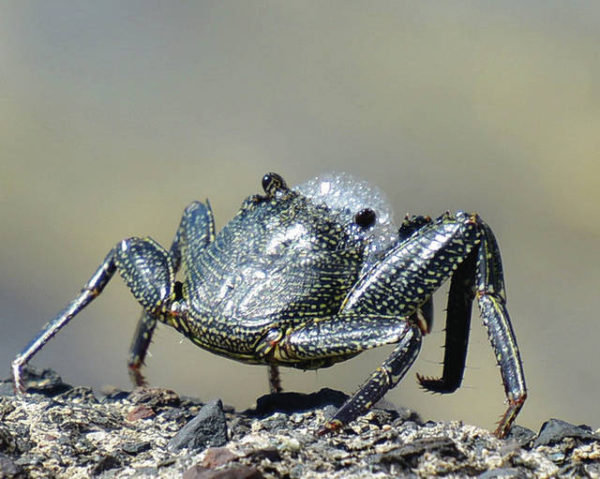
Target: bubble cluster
[(346, 195)]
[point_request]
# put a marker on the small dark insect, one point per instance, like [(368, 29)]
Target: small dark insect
[(311, 276)]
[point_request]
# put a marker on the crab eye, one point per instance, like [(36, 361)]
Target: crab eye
[(272, 183), (365, 218)]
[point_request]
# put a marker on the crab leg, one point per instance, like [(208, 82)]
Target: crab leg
[(462, 247), (324, 341), (92, 289), (492, 304), (196, 229), (458, 320), (145, 267), (274, 379), (139, 347), (384, 378)]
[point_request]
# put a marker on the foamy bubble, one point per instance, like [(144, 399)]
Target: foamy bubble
[(346, 195)]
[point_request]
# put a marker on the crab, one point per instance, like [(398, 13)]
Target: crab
[(310, 276)]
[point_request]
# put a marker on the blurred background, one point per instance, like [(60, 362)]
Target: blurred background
[(116, 115)]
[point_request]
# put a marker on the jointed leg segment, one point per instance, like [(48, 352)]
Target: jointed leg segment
[(380, 382), (324, 341), (145, 267), (463, 248), (195, 231)]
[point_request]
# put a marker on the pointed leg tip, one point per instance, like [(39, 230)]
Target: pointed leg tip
[(19, 386), (136, 376), (434, 385), (507, 420), (330, 427)]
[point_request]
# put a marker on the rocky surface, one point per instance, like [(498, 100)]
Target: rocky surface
[(60, 431)]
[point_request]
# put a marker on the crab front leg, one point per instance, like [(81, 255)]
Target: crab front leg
[(196, 230), (462, 247), (146, 268), (324, 341)]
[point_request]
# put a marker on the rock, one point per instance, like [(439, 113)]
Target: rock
[(199, 472), (140, 412), (134, 448), (502, 472), (45, 381), (555, 430), (270, 453), (104, 464), (208, 428), (10, 470), (74, 435), (79, 394), (114, 394), (154, 397), (521, 434), (217, 456), (408, 455), (8, 443)]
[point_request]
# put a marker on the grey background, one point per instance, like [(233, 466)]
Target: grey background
[(115, 115)]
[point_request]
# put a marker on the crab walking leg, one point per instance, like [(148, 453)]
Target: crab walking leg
[(325, 341), (274, 379), (196, 229), (139, 347), (381, 381), (145, 267), (458, 320), (492, 304), (409, 274), (92, 289), (503, 340)]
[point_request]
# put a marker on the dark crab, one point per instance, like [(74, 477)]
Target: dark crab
[(312, 276)]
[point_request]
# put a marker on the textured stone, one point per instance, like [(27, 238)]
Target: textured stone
[(78, 436), (208, 428), (555, 430), (140, 412), (154, 397), (522, 435), (217, 456), (136, 447), (199, 472), (45, 381), (10, 470)]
